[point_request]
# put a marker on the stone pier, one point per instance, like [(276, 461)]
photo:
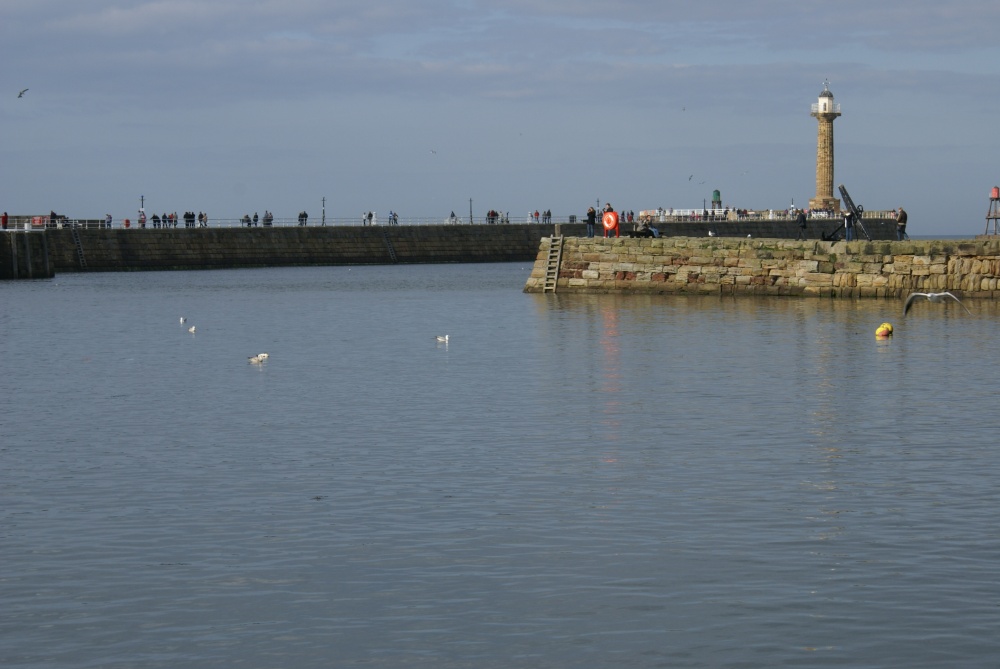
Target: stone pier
[(725, 266)]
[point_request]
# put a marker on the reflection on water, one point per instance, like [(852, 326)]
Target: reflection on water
[(569, 481)]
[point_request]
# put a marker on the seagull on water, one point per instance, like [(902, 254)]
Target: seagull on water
[(255, 360), (191, 329), (263, 356), (183, 320), (932, 297), (442, 338)]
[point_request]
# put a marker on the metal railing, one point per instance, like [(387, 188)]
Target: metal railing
[(666, 216)]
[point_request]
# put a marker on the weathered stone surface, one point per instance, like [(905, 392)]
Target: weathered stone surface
[(729, 266)]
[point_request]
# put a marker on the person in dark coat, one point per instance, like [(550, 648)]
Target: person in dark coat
[(801, 220)]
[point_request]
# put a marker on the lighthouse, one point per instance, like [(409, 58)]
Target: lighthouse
[(825, 110)]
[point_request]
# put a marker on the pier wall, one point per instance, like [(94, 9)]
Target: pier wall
[(41, 253), (25, 255), (112, 250), (970, 268)]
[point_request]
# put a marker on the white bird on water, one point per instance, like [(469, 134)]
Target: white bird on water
[(255, 360), (183, 320), (442, 338), (263, 356), (191, 329), (932, 297)]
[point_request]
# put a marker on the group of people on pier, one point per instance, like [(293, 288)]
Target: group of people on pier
[(165, 221)]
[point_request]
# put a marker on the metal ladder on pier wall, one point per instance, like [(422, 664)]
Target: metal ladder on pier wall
[(552, 264), (388, 244), (79, 247)]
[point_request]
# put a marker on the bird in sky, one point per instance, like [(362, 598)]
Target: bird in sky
[(690, 177), (23, 91), (932, 297)]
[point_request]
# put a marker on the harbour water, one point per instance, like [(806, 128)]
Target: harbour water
[(569, 481)]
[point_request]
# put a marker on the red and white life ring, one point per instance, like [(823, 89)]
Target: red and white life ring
[(610, 220)]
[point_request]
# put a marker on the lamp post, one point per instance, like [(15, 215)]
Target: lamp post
[(324, 211), (470, 211)]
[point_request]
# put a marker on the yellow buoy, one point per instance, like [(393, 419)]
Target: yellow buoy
[(883, 331)]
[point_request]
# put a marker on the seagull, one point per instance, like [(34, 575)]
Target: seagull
[(932, 297), (21, 94), (443, 338), (263, 356), (254, 360), (183, 320), (191, 329), (690, 177)]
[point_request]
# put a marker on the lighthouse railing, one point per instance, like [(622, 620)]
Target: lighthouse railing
[(834, 108)]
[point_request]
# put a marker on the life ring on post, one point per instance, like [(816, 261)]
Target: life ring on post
[(610, 220)]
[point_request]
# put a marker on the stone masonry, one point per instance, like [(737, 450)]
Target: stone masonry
[(728, 266)]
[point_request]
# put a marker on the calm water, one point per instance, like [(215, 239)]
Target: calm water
[(592, 481)]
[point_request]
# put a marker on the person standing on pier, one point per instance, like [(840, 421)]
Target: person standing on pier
[(591, 220), (848, 226), (901, 225), (801, 220)]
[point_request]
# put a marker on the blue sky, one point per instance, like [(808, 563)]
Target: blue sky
[(232, 106)]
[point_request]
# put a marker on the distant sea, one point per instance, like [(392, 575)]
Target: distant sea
[(570, 481)]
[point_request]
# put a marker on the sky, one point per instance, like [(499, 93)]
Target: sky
[(233, 106)]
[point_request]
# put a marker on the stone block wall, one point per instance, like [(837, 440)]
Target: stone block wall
[(773, 267), (207, 248), (24, 255)]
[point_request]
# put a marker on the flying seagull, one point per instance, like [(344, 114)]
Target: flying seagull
[(21, 94), (932, 297)]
